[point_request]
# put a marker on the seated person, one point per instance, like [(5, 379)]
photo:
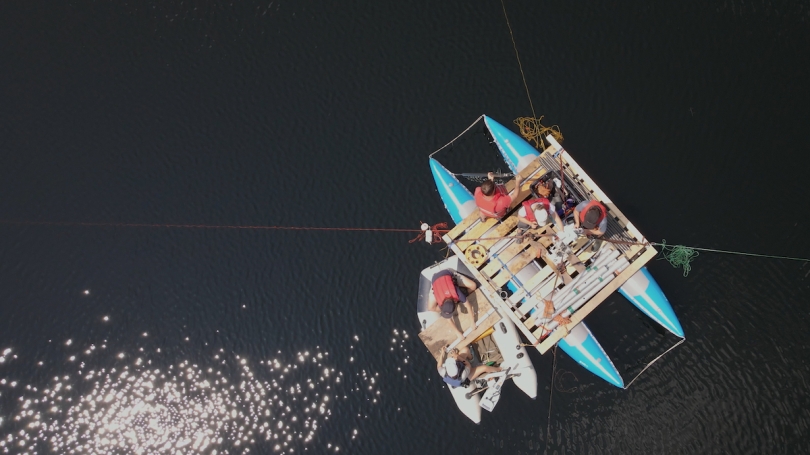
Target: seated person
[(492, 199), (548, 188), (445, 295), (535, 213), (456, 369), (591, 216)]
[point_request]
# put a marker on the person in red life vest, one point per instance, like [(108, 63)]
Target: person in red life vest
[(591, 217), (445, 295), (492, 199), (535, 213)]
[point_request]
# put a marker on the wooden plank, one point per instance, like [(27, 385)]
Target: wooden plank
[(564, 276), (534, 168), (595, 301), (539, 295), (538, 278), (475, 233), (586, 180), (492, 293), (576, 263), (537, 302), (614, 212), (506, 255), (473, 217), (504, 228), (494, 265), (439, 334), (461, 227), (519, 261), (633, 250), (583, 257), (490, 287)]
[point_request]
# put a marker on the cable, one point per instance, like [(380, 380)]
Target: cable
[(517, 55), (195, 226)]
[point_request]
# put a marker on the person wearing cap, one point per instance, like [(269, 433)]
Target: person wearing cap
[(591, 217), (456, 369), (551, 188), (493, 200), (535, 213), (446, 295)]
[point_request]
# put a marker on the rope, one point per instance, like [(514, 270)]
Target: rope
[(559, 378), (740, 253), (517, 55), (196, 226), (435, 231), (678, 256), (533, 131), (456, 138), (679, 253), (653, 361), (682, 256), (551, 395), (530, 127), (525, 235)]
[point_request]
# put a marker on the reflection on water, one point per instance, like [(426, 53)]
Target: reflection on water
[(398, 345), (142, 403)]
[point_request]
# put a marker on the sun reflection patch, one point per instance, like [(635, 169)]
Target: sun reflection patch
[(227, 406)]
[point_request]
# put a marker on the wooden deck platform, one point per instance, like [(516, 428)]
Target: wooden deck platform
[(439, 334), (493, 273)]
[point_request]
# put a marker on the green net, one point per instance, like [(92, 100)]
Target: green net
[(678, 256)]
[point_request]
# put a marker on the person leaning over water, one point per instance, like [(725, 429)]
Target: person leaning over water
[(456, 369), (446, 289), (492, 199)]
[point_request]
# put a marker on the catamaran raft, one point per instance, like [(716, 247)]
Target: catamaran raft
[(542, 283)]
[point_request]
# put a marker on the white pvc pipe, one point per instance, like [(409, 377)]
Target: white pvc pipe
[(554, 324), (561, 304), (593, 271), (608, 275), (593, 279), (578, 303), (590, 293)]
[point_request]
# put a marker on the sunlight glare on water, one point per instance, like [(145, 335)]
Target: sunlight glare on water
[(225, 405)]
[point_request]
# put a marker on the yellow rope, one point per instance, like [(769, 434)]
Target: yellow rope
[(530, 127), (533, 131), (517, 55)]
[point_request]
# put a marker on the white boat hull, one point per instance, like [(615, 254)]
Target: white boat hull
[(505, 336)]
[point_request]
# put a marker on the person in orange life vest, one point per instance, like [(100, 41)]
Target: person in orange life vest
[(445, 295), (591, 217), (535, 213), (492, 199)]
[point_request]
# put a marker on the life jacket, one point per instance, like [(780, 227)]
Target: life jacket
[(597, 204), (461, 380), (492, 208), (527, 205), (443, 288)]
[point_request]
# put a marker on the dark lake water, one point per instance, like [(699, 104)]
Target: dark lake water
[(692, 116)]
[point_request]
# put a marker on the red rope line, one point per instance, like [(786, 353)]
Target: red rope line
[(198, 226), (436, 231)]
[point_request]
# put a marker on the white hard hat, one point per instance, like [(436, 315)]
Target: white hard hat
[(541, 215)]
